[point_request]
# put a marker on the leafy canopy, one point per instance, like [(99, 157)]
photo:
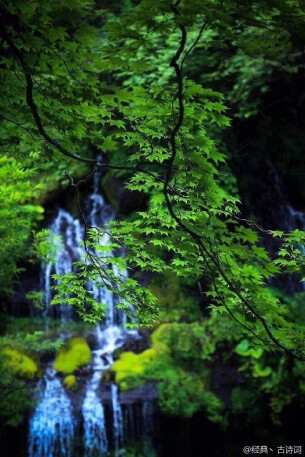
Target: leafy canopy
[(86, 81)]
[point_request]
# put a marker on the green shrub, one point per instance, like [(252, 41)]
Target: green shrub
[(70, 382), (253, 359), (179, 392), (20, 363), (73, 354), (129, 368)]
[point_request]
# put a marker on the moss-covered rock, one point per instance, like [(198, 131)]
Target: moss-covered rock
[(70, 382), (20, 363), (130, 367), (181, 390), (73, 354)]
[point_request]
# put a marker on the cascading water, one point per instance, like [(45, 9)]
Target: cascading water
[(108, 339), (69, 251), (95, 438), (117, 419), (52, 426)]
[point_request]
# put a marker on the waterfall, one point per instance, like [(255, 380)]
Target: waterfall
[(108, 340), (69, 251), (51, 427), (95, 438), (54, 424), (99, 214), (117, 419), (295, 219)]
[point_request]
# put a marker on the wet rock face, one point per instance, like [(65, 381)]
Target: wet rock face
[(145, 392)]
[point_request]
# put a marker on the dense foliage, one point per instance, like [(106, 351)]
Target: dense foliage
[(150, 93)]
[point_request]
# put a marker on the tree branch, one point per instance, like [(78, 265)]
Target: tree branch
[(196, 237)]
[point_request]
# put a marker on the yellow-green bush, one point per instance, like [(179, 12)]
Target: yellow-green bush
[(70, 382), (74, 353), (180, 391), (157, 338), (130, 367), (20, 363)]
